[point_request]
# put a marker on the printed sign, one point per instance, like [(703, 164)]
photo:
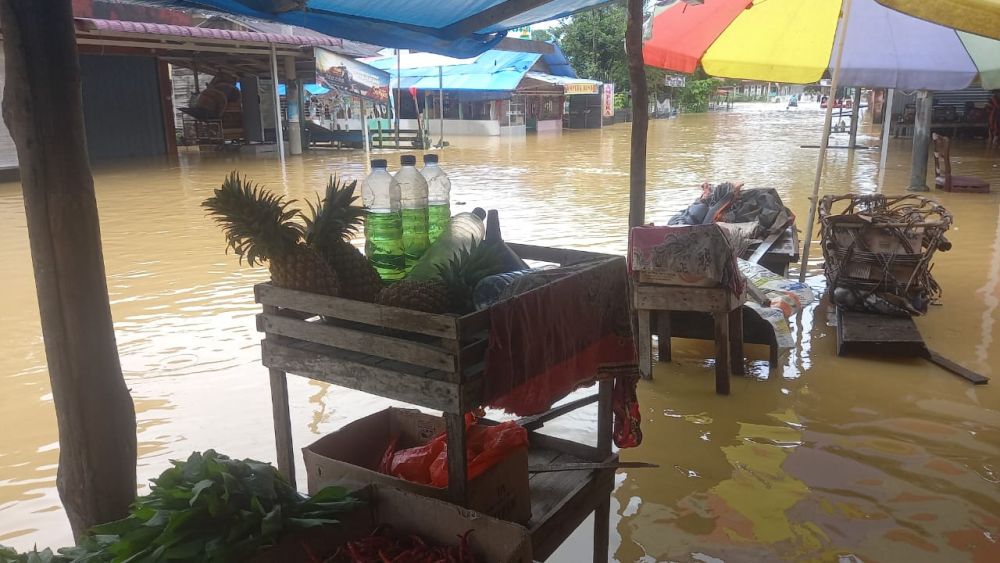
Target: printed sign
[(609, 100), (341, 73), (581, 88)]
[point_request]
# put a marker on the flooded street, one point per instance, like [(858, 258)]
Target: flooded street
[(822, 459)]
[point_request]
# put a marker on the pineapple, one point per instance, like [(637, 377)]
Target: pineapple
[(451, 291), (329, 230), (260, 227)]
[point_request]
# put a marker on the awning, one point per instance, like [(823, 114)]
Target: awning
[(461, 29)]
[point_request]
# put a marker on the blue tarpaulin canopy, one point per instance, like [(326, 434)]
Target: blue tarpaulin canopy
[(493, 71), (458, 28)]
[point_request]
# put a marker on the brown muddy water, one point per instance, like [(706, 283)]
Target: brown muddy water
[(823, 459)]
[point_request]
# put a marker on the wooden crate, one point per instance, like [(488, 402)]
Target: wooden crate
[(434, 361)]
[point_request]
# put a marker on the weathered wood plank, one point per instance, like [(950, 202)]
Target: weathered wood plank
[(602, 530), (397, 349), (588, 490), (736, 357), (444, 326), (457, 458), (941, 361), (358, 371), (645, 344), (561, 256), (605, 416), (282, 425), (721, 353), (536, 421), (877, 334), (568, 447), (683, 298)]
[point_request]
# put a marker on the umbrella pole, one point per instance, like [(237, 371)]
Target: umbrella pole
[(640, 114), (886, 127), (827, 121)]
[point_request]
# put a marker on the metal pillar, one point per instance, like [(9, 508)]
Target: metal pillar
[(364, 131), (827, 121), (399, 90), (277, 105), (293, 96), (441, 104), (921, 142), (886, 128), (855, 113)]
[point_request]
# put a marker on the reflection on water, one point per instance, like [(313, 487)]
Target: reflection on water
[(826, 458)]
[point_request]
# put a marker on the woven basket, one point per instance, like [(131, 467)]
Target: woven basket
[(878, 251)]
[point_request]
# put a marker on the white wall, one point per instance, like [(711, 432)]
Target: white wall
[(471, 127), (8, 154)]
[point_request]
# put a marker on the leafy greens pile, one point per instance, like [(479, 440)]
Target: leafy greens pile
[(209, 508)]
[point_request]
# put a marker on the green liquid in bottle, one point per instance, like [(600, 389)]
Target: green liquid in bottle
[(415, 241), (384, 244), (438, 217)]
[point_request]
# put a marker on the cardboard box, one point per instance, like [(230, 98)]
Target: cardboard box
[(491, 540), (353, 453)]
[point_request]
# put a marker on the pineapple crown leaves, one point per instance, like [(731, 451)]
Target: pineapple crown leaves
[(469, 265), (335, 218), (258, 225)]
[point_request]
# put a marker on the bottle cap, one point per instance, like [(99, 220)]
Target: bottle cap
[(430, 159), (379, 163), (407, 160), (479, 212)]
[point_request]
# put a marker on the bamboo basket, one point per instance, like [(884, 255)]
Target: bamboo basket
[(878, 251)]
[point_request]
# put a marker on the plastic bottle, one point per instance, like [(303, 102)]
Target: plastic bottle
[(489, 289), (413, 196), (462, 231), (438, 197), (511, 261), (384, 222)]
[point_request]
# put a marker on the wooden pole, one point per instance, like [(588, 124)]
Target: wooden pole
[(855, 116), (441, 106), (921, 142), (886, 128), (825, 142), (640, 114), (43, 109), (278, 135), (293, 92)]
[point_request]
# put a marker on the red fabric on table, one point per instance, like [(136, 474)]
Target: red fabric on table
[(548, 342)]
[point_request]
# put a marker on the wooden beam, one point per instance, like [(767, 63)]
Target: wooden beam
[(640, 114), (43, 109), (490, 16)]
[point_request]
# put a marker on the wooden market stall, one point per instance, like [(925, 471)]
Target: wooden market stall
[(438, 362)]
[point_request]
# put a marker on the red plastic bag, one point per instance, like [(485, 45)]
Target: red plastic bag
[(485, 446)]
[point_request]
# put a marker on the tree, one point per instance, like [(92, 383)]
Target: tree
[(542, 35), (594, 43), (43, 109)]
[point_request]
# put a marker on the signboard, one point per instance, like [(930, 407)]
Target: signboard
[(581, 88), (674, 80), (345, 74), (609, 100)]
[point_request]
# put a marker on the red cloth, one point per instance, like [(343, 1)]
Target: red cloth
[(562, 336)]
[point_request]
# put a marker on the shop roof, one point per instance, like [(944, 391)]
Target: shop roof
[(181, 31), (492, 71)]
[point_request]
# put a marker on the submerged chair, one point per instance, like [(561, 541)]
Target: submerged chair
[(944, 179)]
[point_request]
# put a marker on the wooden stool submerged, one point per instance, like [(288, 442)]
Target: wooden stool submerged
[(726, 310)]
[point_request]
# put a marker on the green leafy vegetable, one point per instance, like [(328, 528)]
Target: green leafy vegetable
[(209, 508)]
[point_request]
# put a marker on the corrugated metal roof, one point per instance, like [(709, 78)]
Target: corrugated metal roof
[(118, 26)]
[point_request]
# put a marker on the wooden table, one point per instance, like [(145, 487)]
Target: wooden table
[(725, 308), (437, 362)]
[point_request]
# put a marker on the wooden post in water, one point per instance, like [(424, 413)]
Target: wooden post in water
[(855, 113), (43, 109), (921, 142), (640, 114), (886, 128)]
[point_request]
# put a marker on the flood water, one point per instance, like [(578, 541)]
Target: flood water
[(822, 459)]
